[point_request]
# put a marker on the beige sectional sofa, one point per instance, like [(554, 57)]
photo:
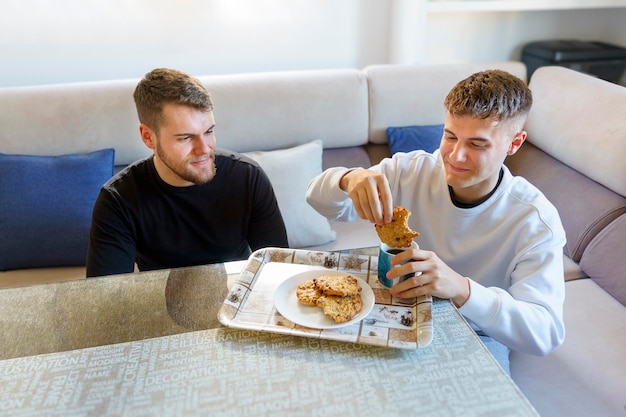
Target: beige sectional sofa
[(575, 154), (577, 157)]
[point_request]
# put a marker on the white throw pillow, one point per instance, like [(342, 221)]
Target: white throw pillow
[(290, 171)]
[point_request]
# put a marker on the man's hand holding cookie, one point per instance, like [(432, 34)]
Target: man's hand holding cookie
[(428, 274), (370, 194)]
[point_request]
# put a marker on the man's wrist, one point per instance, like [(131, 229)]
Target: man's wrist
[(343, 182), (462, 298)]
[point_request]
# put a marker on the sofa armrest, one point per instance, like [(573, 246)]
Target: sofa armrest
[(604, 259)]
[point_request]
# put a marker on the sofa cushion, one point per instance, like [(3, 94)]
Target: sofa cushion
[(572, 269), (410, 138), (351, 157), (585, 376), (604, 259), (46, 207), (350, 235), (290, 171), (33, 276)]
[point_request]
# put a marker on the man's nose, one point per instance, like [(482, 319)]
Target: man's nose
[(203, 146), (458, 152)]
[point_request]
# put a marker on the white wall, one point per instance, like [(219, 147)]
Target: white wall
[(44, 41), (74, 40), (483, 36)]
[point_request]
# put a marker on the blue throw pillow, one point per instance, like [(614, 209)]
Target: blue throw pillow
[(411, 138), (45, 207)]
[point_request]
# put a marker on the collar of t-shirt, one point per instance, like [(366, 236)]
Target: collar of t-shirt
[(463, 205)]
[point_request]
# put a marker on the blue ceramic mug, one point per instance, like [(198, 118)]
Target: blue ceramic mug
[(385, 253)]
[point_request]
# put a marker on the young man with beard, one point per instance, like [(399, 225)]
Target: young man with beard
[(490, 242), (189, 203)]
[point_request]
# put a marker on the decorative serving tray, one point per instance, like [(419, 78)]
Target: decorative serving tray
[(404, 324)]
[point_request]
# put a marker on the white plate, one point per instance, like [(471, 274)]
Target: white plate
[(290, 308)]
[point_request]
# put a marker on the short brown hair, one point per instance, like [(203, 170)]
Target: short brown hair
[(493, 94), (163, 85)]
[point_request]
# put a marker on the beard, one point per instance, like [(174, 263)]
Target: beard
[(186, 171)]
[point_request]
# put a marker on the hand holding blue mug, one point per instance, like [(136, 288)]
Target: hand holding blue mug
[(385, 253)]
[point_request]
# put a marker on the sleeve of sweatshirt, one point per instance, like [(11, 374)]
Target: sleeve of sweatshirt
[(325, 196), (529, 317)]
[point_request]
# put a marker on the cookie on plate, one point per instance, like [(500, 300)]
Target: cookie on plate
[(340, 309), (339, 285), (308, 293), (397, 233)]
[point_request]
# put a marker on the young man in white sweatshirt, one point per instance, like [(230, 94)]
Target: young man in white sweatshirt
[(490, 242)]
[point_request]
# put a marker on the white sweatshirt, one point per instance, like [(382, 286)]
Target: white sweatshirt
[(510, 246)]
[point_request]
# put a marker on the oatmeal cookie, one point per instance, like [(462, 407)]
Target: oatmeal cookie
[(397, 233), (308, 293), (340, 309), (339, 285)]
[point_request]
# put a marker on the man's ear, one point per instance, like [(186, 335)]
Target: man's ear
[(147, 136), (520, 137)]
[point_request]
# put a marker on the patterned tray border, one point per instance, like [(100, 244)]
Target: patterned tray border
[(391, 323)]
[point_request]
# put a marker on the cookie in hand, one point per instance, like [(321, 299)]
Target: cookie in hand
[(397, 233)]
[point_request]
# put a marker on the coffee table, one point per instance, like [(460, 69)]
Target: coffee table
[(150, 344)]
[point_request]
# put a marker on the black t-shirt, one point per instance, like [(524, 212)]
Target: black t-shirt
[(139, 218)]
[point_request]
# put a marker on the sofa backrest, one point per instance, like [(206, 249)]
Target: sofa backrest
[(262, 111), (579, 120), (275, 110), (585, 207), (407, 95), (71, 118)]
